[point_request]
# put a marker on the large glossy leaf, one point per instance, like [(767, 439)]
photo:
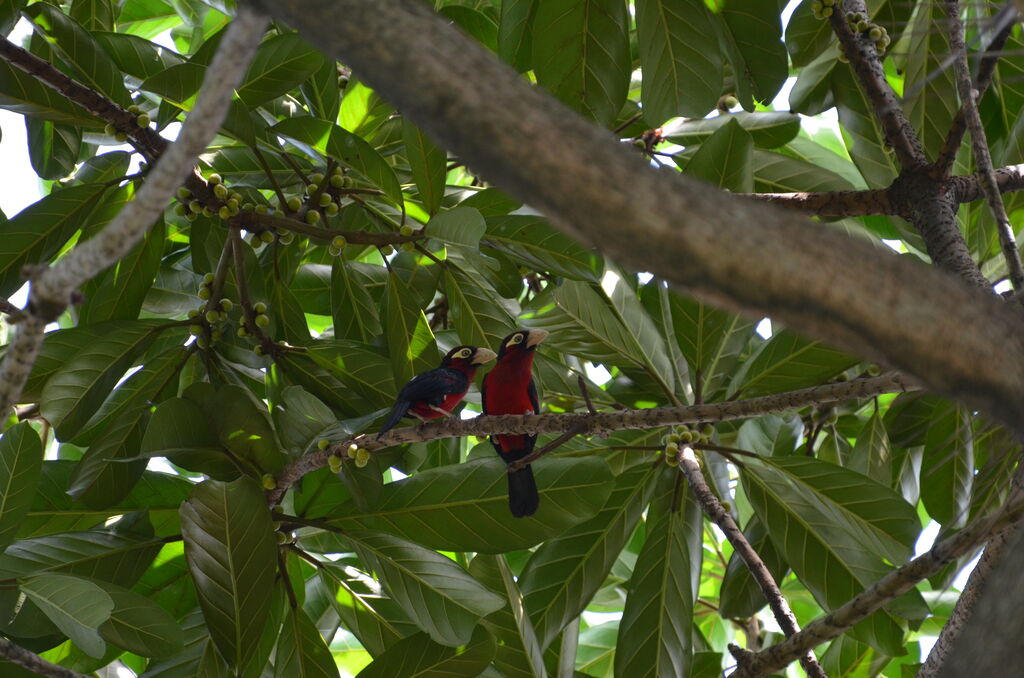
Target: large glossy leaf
[(465, 507), (281, 64), (535, 243), (564, 573), (53, 148), (429, 166), (768, 130), (860, 131), (367, 371), (93, 15), (352, 307), (725, 159), (930, 85), (100, 555), (515, 37), (137, 56), (680, 57), (321, 91), (420, 657), (872, 455), (806, 35), (656, 627), (363, 609), (757, 32), (24, 94), (139, 625), (91, 64), (301, 650), (21, 462), (787, 362), (345, 147), (119, 292), (822, 543), (102, 477), (76, 606), (606, 328), (76, 391), (458, 226), (947, 469), (777, 173), (178, 430), (438, 595), (710, 339), (477, 311), (41, 229), (581, 54), (230, 546), (411, 344)]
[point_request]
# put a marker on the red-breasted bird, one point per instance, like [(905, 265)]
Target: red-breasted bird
[(436, 392), (509, 389)]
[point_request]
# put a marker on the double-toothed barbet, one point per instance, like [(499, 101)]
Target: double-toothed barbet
[(436, 392), (509, 389)]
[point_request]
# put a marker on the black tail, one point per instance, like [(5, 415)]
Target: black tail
[(397, 412), (523, 498)]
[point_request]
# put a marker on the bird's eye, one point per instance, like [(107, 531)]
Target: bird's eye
[(464, 353), (517, 339)]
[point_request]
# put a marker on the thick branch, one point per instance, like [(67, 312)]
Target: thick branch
[(33, 662), (886, 589), (601, 422), (52, 288), (979, 145), (968, 189), (867, 66), (730, 253), (758, 570), (831, 203)]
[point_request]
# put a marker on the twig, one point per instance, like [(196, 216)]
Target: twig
[(831, 203), (979, 145), (9, 308), (52, 289), (242, 281), (889, 587), (537, 454), (33, 662), (585, 392), (486, 425), (758, 570)]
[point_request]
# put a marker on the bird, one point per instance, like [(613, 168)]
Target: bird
[(435, 393), (509, 389)]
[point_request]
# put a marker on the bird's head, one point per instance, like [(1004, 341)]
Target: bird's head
[(467, 357), (521, 343)]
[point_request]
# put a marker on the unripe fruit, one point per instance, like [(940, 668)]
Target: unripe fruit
[(134, 108), (672, 449), (259, 307), (184, 193), (875, 33), (334, 463), (212, 316), (121, 136), (207, 212), (226, 304), (323, 444), (214, 179), (325, 199), (109, 130), (248, 207), (287, 238), (408, 246), (337, 180), (312, 217), (707, 430), (224, 213), (195, 330), (362, 457), (387, 250), (242, 332), (281, 537), (143, 120), (204, 293), (294, 203), (331, 210), (316, 177), (262, 209), (672, 459), (339, 241), (202, 342), (312, 188), (208, 279), (827, 12), (334, 251), (193, 313), (221, 191), (180, 210), (195, 206), (262, 320), (234, 195), (267, 237), (269, 483), (405, 230), (352, 449), (257, 349), (255, 241)]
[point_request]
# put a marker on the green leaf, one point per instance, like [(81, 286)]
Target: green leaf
[(91, 64), (119, 292), (562, 575), (241, 424), (458, 226), (596, 653), (861, 133), (301, 650), (99, 555), (680, 58), (477, 311), (438, 595), (230, 546), (40, 230), (179, 431), (281, 64), (711, 340), (93, 15), (871, 454), (362, 368), (21, 462), (768, 130), (930, 100), (947, 471), (725, 159), (103, 168), (353, 309), (137, 56), (346, 148), (102, 478), (777, 173), (74, 393), (535, 243), (373, 618), (465, 507), (756, 29), (139, 625), (321, 91), (476, 24), (76, 606), (411, 344), (605, 330), (581, 54), (787, 362), (515, 37), (10, 12), (420, 657), (53, 147), (806, 35), (24, 94), (429, 165), (655, 630)]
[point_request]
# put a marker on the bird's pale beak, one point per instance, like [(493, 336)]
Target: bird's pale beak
[(483, 355), (535, 337)]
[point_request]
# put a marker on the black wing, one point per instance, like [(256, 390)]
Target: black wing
[(432, 386), (531, 390)]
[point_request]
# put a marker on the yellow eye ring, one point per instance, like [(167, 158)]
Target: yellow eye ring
[(465, 353), (517, 339)]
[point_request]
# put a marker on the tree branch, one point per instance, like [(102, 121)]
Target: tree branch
[(758, 570), (52, 288), (600, 422), (33, 662), (816, 281), (979, 145), (886, 589), (831, 203), (968, 189)]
